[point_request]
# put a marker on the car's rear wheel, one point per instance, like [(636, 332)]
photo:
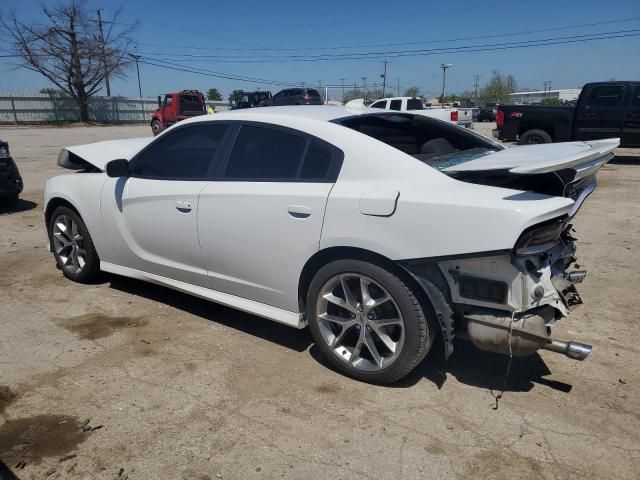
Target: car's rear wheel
[(72, 246), (534, 137), (366, 321)]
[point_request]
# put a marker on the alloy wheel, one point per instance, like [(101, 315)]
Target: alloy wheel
[(69, 244), (360, 321)]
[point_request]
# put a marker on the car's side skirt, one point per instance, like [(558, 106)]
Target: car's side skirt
[(293, 319)]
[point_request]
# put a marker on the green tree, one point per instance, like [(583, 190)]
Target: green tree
[(498, 88), (412, 92), (551, 101), (214, 95), (235, 96)]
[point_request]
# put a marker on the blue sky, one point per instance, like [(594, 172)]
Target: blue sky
[(234, 30)]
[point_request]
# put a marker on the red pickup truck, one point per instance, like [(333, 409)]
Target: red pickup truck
[(175, 107)]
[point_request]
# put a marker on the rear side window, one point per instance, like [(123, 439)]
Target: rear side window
[(317, 162), (414, 104), (186, 154), (265, 154), (606, 95), (312, 92), (395, 104)]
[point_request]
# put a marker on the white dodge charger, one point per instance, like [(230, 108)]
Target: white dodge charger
[(383, 232)]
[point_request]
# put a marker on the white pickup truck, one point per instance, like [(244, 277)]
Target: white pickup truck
[(413, 105)]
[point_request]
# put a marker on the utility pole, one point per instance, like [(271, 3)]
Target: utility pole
[(364, 85), (104, 54), (342, 81), (137, 58), (444, 67), (476, 87), (384, 79), (398, 86)]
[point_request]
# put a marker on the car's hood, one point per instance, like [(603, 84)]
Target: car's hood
[(100, 153), (584, 157)]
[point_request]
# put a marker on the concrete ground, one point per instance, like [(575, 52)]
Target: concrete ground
[(141, 382)]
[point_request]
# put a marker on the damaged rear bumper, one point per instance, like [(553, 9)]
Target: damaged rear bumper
[(505, 302)]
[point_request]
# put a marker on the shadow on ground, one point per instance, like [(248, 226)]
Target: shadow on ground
[(467, 364), (21, 206), (626, 160), (5, 472)]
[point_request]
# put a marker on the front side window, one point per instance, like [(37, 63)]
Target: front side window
[(265, 154), (379, 104), (606, 95), (186, 154), (396, 105), (168, 100)]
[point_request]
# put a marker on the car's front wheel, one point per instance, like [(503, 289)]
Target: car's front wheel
[(72, 246), (366, 321), (156, 127)]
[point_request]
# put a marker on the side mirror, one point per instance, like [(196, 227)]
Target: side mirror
[(159, 101), (118, 168)]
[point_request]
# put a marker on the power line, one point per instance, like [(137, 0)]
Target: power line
[(345, 47), (406, 53)]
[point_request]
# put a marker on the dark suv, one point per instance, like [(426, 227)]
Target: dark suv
[(297, 96), (10, 179)]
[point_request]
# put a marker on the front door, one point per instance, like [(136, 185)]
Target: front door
[(600, 112), (151, 216), (261, 220)]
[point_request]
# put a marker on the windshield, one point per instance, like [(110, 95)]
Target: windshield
[(456, 158)]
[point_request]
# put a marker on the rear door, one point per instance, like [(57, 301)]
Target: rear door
[(600, 112), (151, 217), (631, 129), (261, 220)]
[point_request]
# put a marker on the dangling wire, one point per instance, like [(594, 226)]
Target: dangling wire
[(506, 375)]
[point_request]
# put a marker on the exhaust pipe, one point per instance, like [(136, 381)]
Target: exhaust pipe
[(574, 350)]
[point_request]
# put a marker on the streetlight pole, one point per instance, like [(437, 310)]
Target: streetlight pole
[(137, 58), (444, 67), (384, 79)]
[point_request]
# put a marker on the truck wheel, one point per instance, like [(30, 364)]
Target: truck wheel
[(533, 137), (156, 127)]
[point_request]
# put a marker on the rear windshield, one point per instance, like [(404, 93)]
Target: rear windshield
[(435, 143), (414, 104), (312, 92)]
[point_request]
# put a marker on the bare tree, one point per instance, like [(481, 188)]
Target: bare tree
[(70, 49)]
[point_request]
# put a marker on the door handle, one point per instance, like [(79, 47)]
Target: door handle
[(183, 207), (299, 211)]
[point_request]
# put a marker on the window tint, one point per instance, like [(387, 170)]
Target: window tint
[(379, 104), (395, 104), (184, 154), (317, 163), (414, 104), (312, 92), (635, 101), (265, 153), (606, 95)]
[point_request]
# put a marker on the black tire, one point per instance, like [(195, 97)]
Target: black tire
[(534, 137), (419, 330), (156, 127), (91, 269)]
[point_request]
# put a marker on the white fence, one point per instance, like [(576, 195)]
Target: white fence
[(39, 108)]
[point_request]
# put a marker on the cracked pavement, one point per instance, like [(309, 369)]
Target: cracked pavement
[(177, 387)]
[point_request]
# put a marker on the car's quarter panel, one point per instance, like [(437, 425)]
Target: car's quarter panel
[(257, 236), (152, 226), (82, 191)]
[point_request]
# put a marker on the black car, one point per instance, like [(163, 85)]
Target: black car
[(10, 179), (297, 96), (486, 114), (252, 100)]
